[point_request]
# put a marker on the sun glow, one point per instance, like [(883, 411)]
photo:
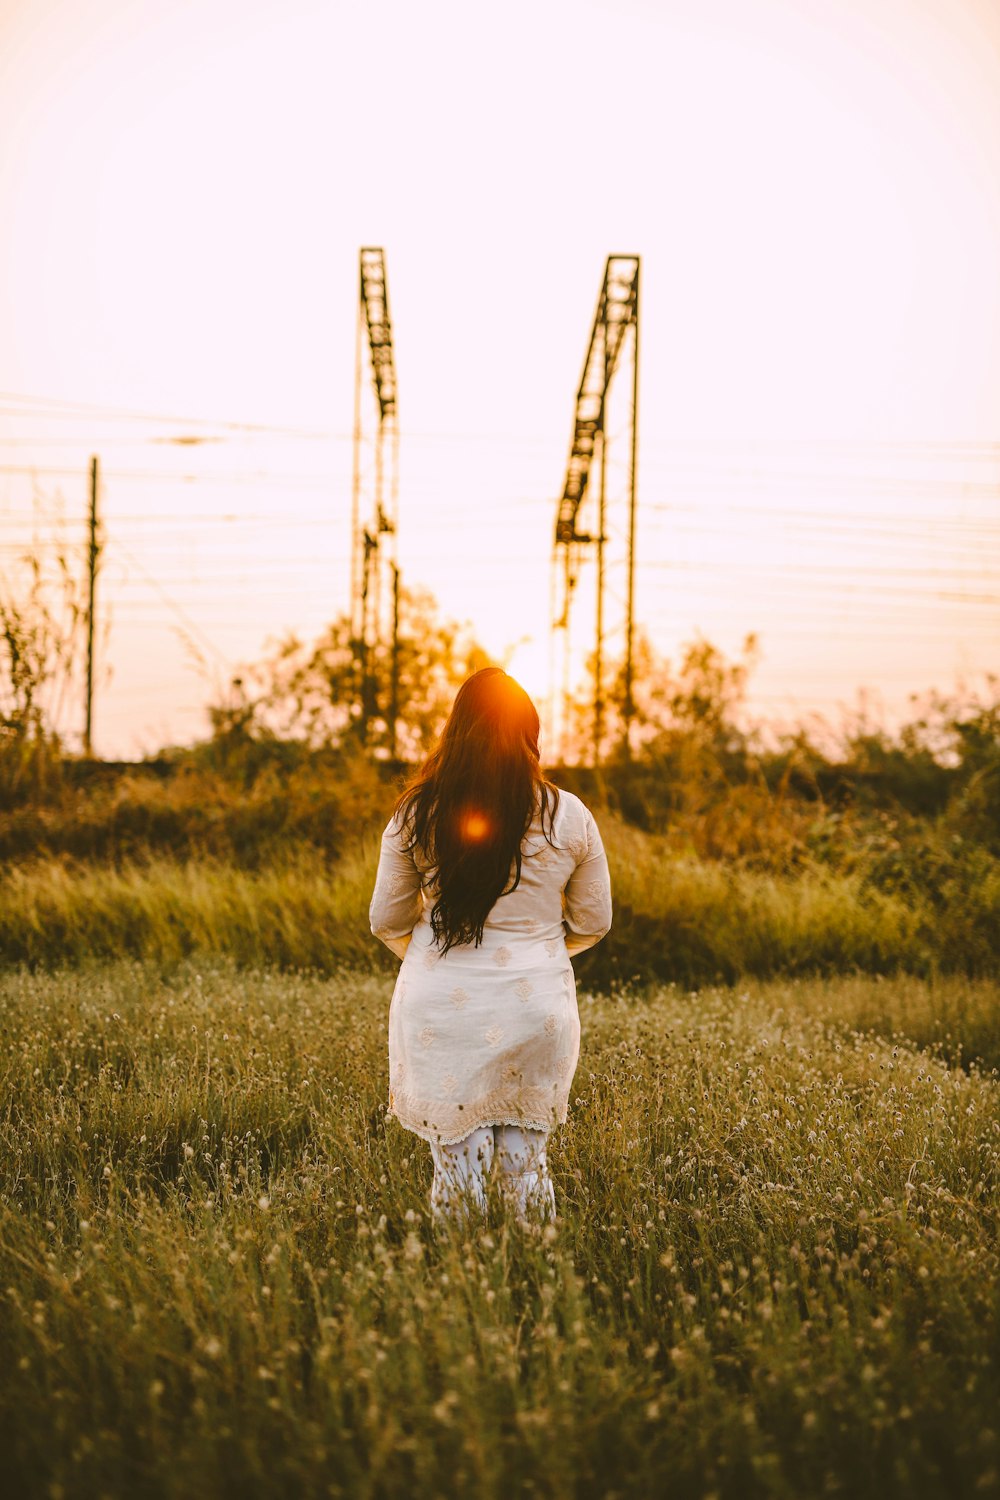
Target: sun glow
[(475, 827), (528, 662)]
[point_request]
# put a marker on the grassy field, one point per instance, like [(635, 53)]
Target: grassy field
[(775, 1271), (677, 917)]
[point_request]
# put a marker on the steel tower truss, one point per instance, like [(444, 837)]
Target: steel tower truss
[(614, 344), (374, 503)]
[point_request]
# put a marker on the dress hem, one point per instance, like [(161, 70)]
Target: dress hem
[(434, 1138)]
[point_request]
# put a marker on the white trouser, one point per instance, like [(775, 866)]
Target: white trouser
[(460, 1170)]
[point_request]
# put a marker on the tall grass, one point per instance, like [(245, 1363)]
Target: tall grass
[(676, 918), (774, 1271), (300, 913)]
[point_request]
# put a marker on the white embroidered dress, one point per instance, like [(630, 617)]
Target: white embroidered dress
[(490, 1035)]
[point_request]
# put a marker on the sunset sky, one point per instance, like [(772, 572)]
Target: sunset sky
[(814, 189)]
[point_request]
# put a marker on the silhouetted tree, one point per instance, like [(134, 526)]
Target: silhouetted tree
[(41, 630), (312, 692)]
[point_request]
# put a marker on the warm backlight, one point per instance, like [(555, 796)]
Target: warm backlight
[(475, 827)]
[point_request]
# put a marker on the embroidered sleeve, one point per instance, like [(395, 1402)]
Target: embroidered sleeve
[(587, 908), (395, 903)]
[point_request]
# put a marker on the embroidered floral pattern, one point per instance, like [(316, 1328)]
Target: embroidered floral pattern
[(427, 1037), (449, 1084), (494, 1036), (550, 1025), (552, 946), (502, 957), (563, 1065), (459, 997), (533, 1107), (524, 989), (430, 958)]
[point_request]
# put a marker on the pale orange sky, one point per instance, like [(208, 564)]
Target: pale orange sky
[(814, 189)]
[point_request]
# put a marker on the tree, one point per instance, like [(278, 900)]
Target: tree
[(41, 629), (313, 692), (697, 703)]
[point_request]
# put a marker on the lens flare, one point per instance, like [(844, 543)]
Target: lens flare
[(475, 826)]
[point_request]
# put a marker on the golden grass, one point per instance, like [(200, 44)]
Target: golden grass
[(774, 1272), (676, 917)]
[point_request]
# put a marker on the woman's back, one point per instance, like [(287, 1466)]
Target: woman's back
[(562, 896), (489, 1033)]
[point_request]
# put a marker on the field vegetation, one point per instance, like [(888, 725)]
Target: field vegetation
[(728, 857), (775, 1267), (774, 1272), (676, 917)]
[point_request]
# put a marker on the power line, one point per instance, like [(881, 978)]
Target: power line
[(275, 517), (814, 515), (176, 608), (932, 446), (54, 406), (823, 570), (250, 476)]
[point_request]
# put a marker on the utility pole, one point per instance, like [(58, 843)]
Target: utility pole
[(92, 555), (394, 678), (373, 541), (598, 645), (366, 649), (602, 438), (358, 556), (629, 705), (617, 317)]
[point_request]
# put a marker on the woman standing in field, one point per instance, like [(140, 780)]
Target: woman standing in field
[(489, 878)]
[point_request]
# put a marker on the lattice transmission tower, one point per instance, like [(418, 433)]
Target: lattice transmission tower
[(375, 505), (595, 524)]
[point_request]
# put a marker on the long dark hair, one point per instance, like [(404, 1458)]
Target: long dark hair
[(471, 803)]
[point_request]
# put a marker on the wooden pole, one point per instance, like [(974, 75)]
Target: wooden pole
[(394, 684), (633, 459), (92, 552)]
